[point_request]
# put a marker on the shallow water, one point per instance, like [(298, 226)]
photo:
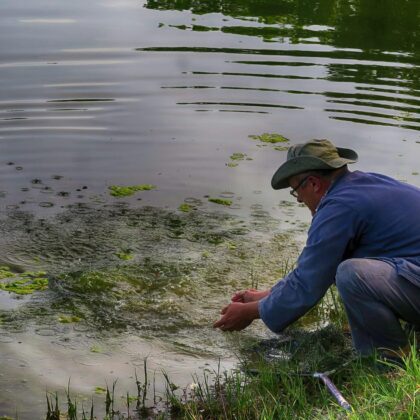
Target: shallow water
[(102, 93)]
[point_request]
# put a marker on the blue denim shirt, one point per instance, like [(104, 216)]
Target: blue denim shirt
[(362, 215)]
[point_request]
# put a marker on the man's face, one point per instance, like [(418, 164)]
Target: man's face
[(307, 190)]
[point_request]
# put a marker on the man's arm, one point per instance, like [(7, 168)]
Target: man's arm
[(332, 229), (250, 295)]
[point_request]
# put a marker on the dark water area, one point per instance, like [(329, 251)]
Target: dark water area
[(172, 94)]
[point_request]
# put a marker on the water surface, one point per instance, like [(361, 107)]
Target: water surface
[(165, 93)]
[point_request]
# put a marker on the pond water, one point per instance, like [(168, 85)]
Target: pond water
[(170, 94)]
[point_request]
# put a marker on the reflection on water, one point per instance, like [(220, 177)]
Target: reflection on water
[(101, 93), (343, 42)]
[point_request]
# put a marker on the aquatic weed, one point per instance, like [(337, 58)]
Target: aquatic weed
[(68, 319), (126, 191), (125, 255), (25, 285), (238, 156), (221, 201), (271, 138), (185, 207)]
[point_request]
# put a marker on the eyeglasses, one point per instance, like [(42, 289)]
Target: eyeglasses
[(293, 191)]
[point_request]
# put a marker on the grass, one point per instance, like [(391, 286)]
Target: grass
[(277, 394), (270, 389)]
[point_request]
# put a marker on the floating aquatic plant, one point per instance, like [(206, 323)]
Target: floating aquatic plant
[(125, 255), (23, 283), (272, 138), (185, 207), (68, 319), (222, 201), (238, 156), (25, 286), (126, 191), (235, 157), (5, 272)]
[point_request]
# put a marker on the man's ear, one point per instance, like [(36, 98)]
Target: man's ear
[(316, 183)]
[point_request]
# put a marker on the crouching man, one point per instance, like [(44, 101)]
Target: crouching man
[(364, 237)]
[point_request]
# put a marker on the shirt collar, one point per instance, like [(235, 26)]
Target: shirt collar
[(334, 182)]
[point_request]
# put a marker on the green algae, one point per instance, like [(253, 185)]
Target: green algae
[(69, 319), (221, 201), (179, 257), (5, 272), (185, 207), (238, 156), (125, 255), (235, 158), (89, 282), (271, 138), (24, 283), (100, 390), (126, 191), (281, 148)]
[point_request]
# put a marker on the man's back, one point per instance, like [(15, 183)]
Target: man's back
[(386, 219)]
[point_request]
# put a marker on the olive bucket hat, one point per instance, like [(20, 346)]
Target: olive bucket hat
[(313, 155)]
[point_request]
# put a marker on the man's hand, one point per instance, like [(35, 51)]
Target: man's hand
[(250, 295), (237, 316)]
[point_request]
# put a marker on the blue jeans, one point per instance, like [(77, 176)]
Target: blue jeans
[(376, 298)]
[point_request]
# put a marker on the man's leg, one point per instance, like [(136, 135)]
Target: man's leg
[(375, 298)]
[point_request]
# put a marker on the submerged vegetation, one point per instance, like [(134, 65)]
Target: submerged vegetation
[(185, 207), (116, 268)]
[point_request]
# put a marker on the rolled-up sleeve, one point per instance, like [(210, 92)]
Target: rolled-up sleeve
[(334, 229)]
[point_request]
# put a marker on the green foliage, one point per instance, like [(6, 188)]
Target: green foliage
[(126, 191)]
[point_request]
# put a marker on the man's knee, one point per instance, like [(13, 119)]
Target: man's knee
[(349, 274)]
